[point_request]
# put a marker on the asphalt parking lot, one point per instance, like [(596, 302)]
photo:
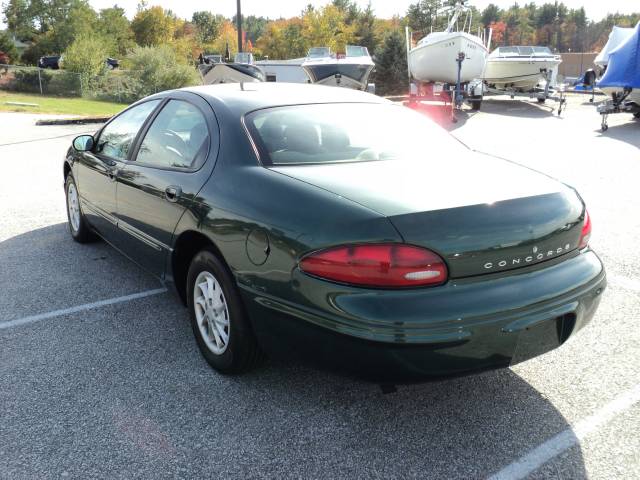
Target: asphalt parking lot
[(100, 376)]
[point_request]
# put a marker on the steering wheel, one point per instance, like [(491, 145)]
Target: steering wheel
[(175, 143)]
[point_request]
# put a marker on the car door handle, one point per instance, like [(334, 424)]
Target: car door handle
[(172, 193), (112, 174)]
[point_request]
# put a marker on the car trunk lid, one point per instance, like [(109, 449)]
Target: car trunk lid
[(480, 213)]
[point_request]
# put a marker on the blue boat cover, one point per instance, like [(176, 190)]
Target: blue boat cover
[(624, 64)]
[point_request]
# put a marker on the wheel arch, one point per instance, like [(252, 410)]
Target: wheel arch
[(66, 169), (186, 246)]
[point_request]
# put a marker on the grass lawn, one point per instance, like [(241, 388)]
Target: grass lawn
[(61, 105)]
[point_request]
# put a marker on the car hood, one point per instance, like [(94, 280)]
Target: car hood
[(480, 213)]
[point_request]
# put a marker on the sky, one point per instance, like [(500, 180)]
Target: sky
[(596, 9)]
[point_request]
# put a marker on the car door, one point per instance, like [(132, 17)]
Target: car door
[(174, 157), (98, 169)]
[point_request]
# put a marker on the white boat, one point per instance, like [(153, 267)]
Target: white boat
[(213, 70), (285, 71), (520, 68), (351, 70), (434, 58)]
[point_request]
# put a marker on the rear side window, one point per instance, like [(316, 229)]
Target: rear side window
[(117, 137), (177, 138)]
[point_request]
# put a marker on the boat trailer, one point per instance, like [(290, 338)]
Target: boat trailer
[(617, 104), (539, 93)]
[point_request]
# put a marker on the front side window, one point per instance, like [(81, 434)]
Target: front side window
[(346, 132), (177, 138), (117, 137)]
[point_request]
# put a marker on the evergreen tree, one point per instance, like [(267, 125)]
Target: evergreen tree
[(391, 65)]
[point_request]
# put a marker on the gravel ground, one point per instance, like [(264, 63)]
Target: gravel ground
[(120, 391)]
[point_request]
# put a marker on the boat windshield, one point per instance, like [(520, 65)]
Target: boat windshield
[(524, 51), (354, 51), (244, 57), (319, 52), (336, 133), (542, 51)]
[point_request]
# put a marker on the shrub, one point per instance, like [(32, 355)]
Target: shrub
[(65, 84), (87, 57), (27, 80), (157, 69)]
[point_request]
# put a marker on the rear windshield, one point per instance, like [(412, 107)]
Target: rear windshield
[(344, 132)]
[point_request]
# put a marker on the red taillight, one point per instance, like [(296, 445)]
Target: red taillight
[(586, 231), (377, 265)]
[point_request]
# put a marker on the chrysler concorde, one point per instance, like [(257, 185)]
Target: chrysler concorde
[(335, 226)]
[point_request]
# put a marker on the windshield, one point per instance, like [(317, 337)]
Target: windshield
[(345, 132), (319, 52)]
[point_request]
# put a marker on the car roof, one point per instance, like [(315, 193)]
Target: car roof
[(249, 96)]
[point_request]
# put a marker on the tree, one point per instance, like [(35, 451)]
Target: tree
[(153, 26), (391, 65), (423, 17), (16, 16), (283, 39), (366, 34), (86, 56), (490, 15), (115, 28), (7, 47), (326, 28), (207, 25), (228, 35)]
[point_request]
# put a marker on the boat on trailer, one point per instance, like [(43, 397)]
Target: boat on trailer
[(434, 58), (350, 70), (213, 70), (621, 80), (520, 68)]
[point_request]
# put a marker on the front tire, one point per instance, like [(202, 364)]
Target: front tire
[(78, 226), (218, 320)]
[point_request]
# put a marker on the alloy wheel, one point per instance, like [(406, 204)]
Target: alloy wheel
[(73, 206), (212, 312)]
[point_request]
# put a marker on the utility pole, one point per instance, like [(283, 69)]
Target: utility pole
[(239, 26)]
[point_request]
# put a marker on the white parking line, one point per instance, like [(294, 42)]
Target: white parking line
[(568, 438), (79, 308)]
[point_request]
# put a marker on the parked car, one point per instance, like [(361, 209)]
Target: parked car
[(113, 63), (52, 61), (333, 225)]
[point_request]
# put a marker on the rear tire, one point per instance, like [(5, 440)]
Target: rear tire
[(476, 104), (636, 115), (542, 100), (78, 227), (218, 319)]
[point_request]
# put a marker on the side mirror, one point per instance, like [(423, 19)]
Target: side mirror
[(83, 143)]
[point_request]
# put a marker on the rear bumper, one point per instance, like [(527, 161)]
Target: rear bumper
[(465, 325)]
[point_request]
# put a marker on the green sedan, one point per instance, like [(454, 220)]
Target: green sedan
[(334, 226)]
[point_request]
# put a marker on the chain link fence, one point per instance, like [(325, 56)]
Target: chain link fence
[(115, 86), (40, 81)]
